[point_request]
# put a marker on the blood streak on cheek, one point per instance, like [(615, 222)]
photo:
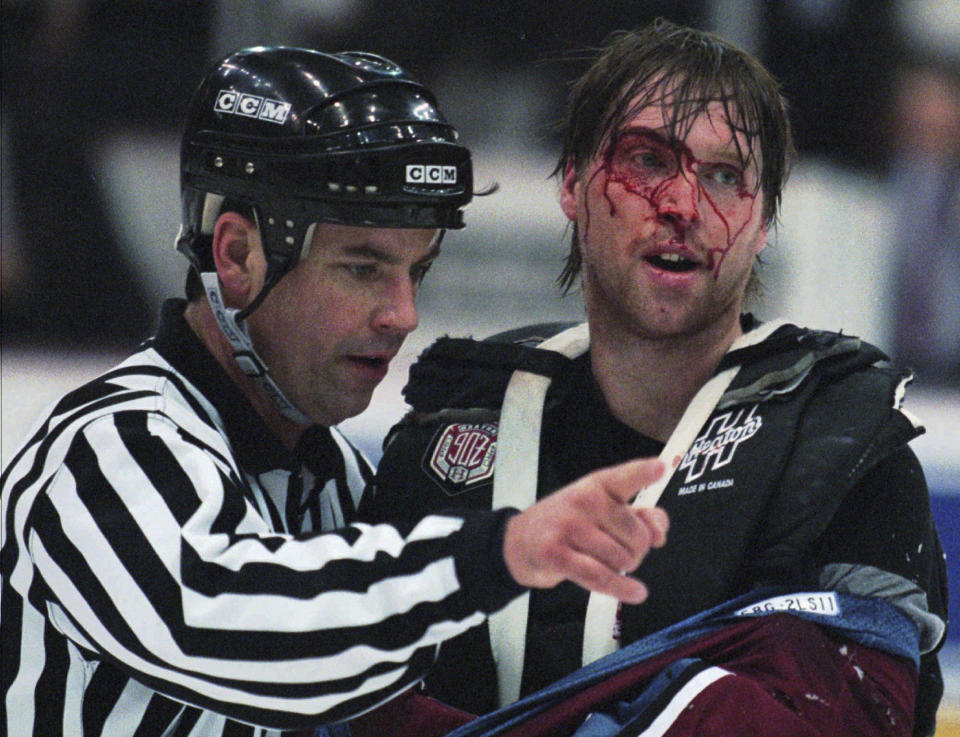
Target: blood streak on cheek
[(610, 174), (717, 255)]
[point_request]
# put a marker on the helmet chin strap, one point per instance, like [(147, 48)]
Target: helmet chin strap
[(232, 325)]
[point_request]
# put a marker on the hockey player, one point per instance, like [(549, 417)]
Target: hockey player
[(178, 554), (795, 502)]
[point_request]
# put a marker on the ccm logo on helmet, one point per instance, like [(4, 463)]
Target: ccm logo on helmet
[(431, 174), (252, 106)]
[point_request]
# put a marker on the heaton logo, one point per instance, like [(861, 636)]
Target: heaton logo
[(431, 174), (715, 448), (252, 106)]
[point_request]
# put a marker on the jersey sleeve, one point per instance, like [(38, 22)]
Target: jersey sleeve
[(149, 553), (882, 542), (776, 674)]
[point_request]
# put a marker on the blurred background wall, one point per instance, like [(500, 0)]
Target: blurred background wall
[(869, 240)]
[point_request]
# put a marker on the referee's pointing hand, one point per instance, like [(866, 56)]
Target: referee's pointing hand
[(587, 533)]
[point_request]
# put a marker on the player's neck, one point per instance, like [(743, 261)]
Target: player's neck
[(648, 382)]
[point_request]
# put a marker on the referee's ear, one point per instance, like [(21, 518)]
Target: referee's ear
[(239, 259)]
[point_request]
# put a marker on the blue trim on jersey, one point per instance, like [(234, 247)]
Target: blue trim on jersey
[(867, 621)]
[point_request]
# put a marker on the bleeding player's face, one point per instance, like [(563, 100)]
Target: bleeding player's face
[(330, 327), (668, 229)]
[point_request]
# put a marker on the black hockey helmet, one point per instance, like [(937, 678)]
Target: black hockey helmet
[(300, 137)]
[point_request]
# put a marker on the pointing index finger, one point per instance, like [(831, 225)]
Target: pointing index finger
[(624, 482)]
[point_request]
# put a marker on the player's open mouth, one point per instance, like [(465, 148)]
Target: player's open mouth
[(672, 262)]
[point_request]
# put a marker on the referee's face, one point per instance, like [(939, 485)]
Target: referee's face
[(331, 326)]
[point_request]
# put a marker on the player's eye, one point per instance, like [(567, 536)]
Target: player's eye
[(724, 176), (648, 159)]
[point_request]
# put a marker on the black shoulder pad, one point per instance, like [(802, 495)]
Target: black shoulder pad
[(465, 373), (848, 426), (784, 360)]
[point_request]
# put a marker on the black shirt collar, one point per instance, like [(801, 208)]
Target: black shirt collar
[(582, 425)]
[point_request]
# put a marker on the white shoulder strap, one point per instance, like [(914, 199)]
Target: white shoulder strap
[(599, 629), (515, 485)]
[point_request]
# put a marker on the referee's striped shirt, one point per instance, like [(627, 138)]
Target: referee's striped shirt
[(169, 569)]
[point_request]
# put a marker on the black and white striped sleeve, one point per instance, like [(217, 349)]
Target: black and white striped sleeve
[(149, 553)]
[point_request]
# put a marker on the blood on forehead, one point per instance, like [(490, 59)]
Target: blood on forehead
[(678, 103)]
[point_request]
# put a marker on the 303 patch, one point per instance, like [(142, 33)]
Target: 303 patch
[(461, 456)]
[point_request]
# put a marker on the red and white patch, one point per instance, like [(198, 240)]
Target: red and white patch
[(462, 455)]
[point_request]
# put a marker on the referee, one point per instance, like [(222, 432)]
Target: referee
[(180, 553)]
